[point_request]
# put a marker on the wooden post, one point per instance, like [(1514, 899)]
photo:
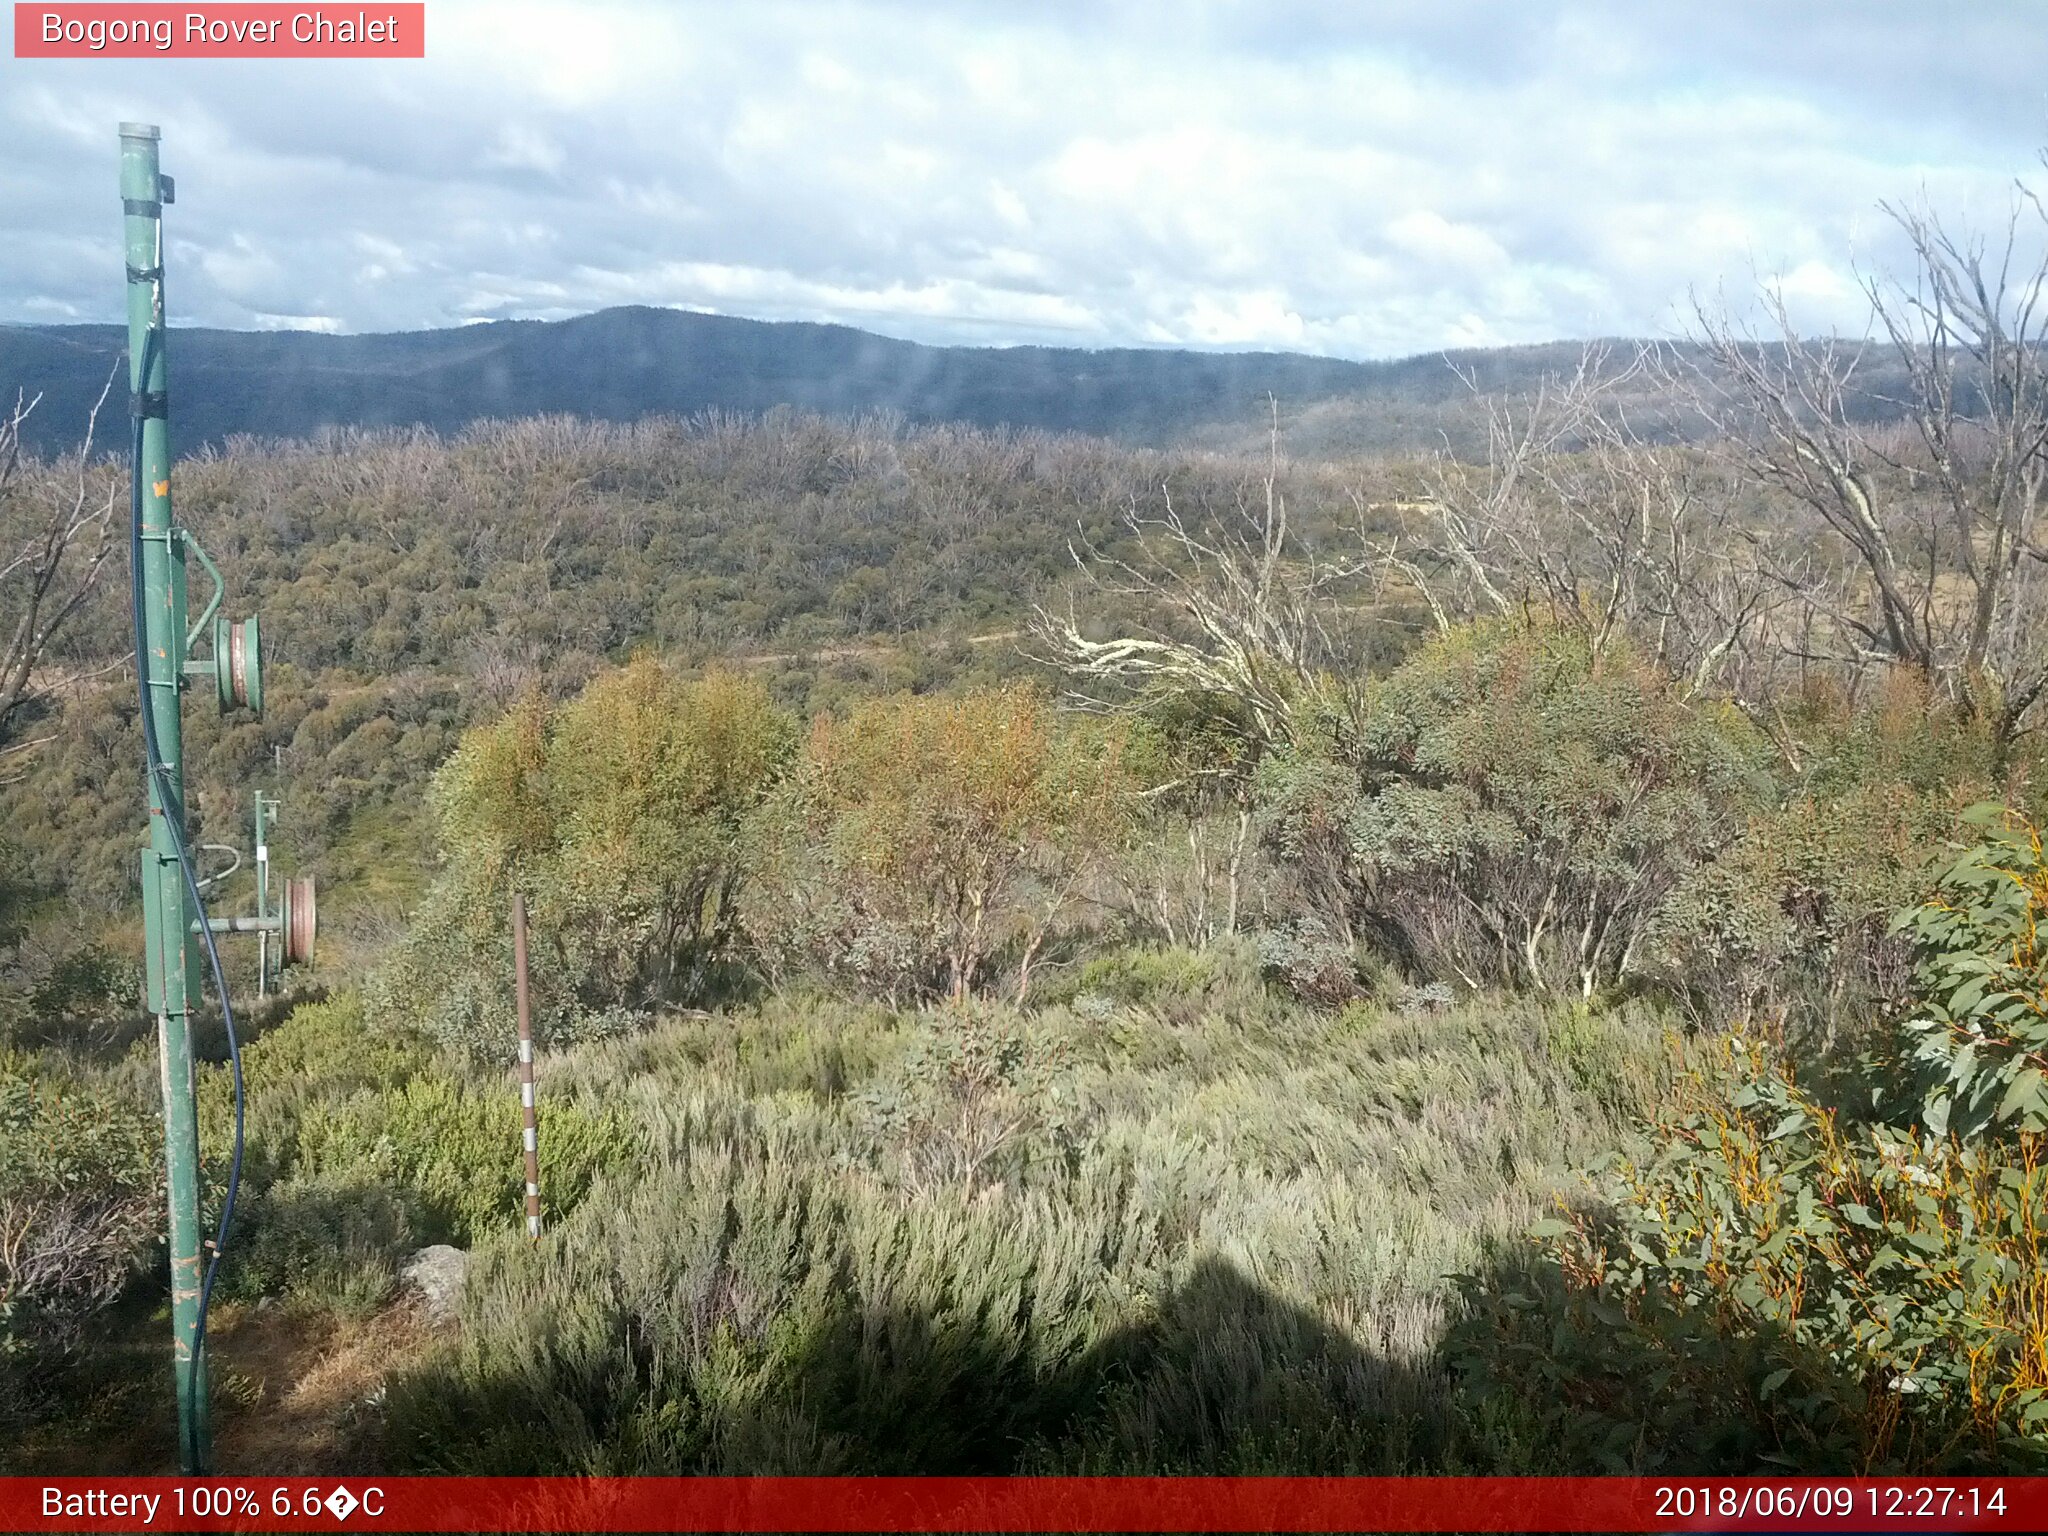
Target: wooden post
[(531, 1136)]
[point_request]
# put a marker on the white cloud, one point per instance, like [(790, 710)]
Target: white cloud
[(1302, 174), (522, 148), (328, 325), (1433, 238)]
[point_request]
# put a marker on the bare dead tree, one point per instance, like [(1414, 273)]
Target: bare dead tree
[(1578, 515), (1935, 557), (1900, 522), (1225, 607), (56, 533), (1478, 549)]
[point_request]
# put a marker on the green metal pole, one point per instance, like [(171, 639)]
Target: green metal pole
[(167, 915)]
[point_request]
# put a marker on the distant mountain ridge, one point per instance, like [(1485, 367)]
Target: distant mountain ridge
[(623, 364)]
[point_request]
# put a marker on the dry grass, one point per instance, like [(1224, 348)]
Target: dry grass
[(309, 1386)]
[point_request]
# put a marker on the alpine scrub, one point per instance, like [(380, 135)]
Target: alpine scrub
[(1769, 1279)]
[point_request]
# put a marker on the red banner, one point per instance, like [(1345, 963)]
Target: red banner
[(213, 31), (1022, 1504)]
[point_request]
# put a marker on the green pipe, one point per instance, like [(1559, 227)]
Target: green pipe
[(167, 915), (259, 924)]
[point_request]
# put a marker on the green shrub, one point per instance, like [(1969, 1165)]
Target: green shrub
[(453, 1148), (1771, 1280), (336, 1242), (81, 996), (776, 1318), (1511, 806), (924, 844), (1316, 966), (972, 1105), (337, 1045), (81, 1205), (340, 1099), (1976, 1048), (17, 894), (1150, 976), (1902, 732), (1767, 1285), (1145, 1236), (1794, 919), (319, 1054), (618, 814), (1188, 871)]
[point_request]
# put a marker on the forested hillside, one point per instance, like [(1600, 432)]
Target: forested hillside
[(626, 365), (414, 585)]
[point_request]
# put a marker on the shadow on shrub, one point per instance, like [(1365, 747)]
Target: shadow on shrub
[(1770, 1286), (1222, 1377)]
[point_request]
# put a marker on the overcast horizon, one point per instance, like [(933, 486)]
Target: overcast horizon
[(1362, 182)]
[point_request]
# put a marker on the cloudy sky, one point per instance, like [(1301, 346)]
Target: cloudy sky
[(1363, 178)]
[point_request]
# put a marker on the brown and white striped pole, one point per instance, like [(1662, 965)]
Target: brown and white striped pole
[(531, 1135)]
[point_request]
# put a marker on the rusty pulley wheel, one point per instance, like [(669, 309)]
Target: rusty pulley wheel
[(301, 921)]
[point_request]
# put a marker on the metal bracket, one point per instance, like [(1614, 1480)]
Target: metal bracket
[(213, 604)]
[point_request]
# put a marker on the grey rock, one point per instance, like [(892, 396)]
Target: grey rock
[(1434, 997), (437, 1274)]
